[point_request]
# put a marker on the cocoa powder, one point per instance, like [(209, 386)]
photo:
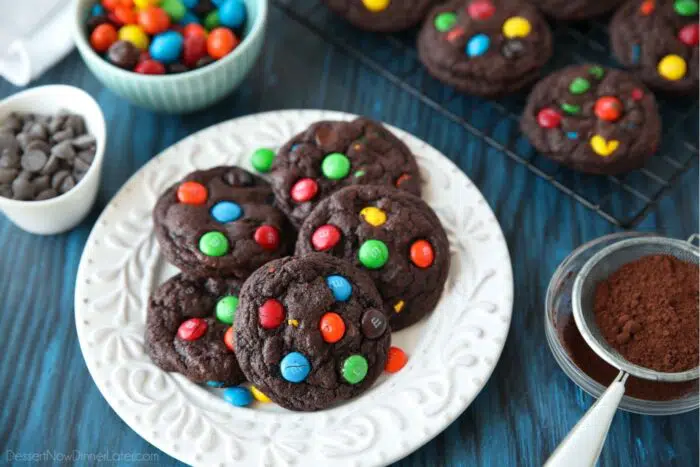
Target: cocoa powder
[(648, 311)]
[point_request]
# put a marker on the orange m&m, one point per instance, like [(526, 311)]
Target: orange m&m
[(332, 327), (608, 108), (396, 359), (220, 42), (422, 254), (103, 36), (192, 193), (228, 338)]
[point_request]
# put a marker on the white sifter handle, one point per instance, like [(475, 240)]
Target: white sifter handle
[(582, 446)]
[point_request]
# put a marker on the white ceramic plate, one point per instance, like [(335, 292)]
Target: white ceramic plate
[(451, 354)]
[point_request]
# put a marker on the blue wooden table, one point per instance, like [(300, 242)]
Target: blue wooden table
[(50, 406)]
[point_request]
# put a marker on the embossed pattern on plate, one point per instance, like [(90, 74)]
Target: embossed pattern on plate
[(452, 353)]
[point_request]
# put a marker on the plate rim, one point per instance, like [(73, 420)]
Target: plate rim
[(313, 114)]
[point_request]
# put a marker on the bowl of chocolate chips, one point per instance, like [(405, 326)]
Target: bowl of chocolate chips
[(52, 143)]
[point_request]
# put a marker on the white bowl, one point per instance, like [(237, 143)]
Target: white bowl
[(64, 212)]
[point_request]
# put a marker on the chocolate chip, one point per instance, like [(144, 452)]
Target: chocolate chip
[(12, 123), (56, 123), (84, 141), (41, 183), (22, 188), (63, 135), (37, 131), (123, 54), (6, 191), (7, 175), (88, 155), (373, 323), (58, 178), (64, 150), (46, 194), (79, 175), (80, 165), (67, 184), (513, 49), (39, 145), (325, 136), (8, 145), (22, 140), (34, 161), (53, 164), (246, 179), (77, 124), (27, 124), (8, 161)]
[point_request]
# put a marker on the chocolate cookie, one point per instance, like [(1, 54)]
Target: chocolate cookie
[(658, 41), (381, 15), (576, 9), (485, 47), (188, 329), (221, 222), (392, 235), (593, 119), (310, 331), (331, 155)]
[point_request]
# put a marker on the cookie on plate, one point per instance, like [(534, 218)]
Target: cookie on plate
[(330, 155), (485, 47), (394, 236), (658, 41), (576, 9), (221, 222), (189, 329), (381, 15), (593, 119), (310, 332)]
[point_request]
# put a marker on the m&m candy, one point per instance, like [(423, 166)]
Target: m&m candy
[(166, 30), (373, 254), (332, 327), (271, 314), (228, 338), (608, 108), (304, 190), (340, 287), (262, 159), (192, 193), (192, 329), (267, 237), (478, 45), (226, 211), (355, 369), (238, 396), (481, 9), (335, 166), (376, 5), (325, 237), (396, 359), (672, 67), (422, 254), (258, 395), (295, 367), (445, 21), (373, 216), (213, 244), (548, 118), (226, 309)]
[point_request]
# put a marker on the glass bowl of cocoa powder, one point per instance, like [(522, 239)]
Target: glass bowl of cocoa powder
[(583, 365)]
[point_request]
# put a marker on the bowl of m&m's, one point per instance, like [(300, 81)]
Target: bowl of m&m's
[(173, 56)]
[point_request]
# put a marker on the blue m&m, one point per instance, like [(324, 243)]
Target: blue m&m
[(232, 13), (295, 367), (478, 45), (340, 287), (215, 384), (226, 211), (166, 47), (238, 396)]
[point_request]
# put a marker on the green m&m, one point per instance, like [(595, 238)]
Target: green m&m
[(686, 7), (335, 166), (262, 159), (355, 369), (445, 21), (373, 254), (226, 309), (213, 244), (579, 85)]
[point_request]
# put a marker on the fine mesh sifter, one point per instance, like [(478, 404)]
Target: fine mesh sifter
[(584, 443)]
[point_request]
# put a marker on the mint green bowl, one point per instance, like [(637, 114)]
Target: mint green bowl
[(182, 92)]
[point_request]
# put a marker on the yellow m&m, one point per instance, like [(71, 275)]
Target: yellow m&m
[(259, 395), (516, 26), (672, 67), (376, 5), (134, 34), (373, 216)]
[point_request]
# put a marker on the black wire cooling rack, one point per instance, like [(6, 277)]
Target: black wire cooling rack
[(622, 200)]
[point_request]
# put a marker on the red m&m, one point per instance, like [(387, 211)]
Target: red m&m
[(325, 237), (608, 108), (396, 359), (192, 329), (481, 9), (548, 118), (192, 193), (103, 36), (267, 237), (422, 254), (304, 190), (689, 34), (271, 314)]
